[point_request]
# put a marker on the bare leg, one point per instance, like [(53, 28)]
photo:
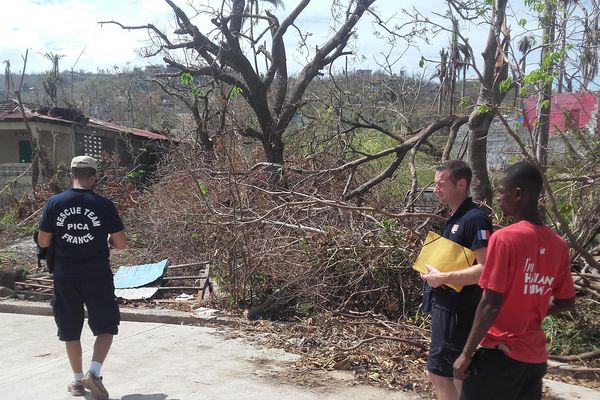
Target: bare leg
[(74, 353), (444, 387), (101, 347), (458, 385)]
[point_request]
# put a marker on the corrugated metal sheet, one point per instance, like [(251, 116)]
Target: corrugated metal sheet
[(139, 275), (140, 293), (10, 111), (120, 128)]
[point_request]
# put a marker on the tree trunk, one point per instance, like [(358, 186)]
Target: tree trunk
[(544, 99), (495, 70), (274, 155), (479, 125)]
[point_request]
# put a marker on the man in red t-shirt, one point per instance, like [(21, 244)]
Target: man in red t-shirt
[(526, 276)]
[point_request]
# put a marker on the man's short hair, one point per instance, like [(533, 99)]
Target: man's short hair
[(83, 173), (458, 169), (526, 176)]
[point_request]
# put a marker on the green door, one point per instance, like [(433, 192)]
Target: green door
[(24, 151)]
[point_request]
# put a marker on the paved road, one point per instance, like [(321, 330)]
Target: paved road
[(153, 361)]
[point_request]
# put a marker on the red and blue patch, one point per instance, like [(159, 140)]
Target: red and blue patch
[(483, 234)]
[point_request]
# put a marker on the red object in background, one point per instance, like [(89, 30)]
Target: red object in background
[(567, 111)]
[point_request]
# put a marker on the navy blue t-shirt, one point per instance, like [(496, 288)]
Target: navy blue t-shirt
[(81, 221), (470, 227)]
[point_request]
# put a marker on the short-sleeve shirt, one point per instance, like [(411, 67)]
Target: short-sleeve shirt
[(470, 227), (528, 264), (80, 221)]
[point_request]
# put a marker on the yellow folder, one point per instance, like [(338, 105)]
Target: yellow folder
[(445, 255)]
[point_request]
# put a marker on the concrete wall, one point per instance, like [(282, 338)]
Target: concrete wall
[(57, 146), (9, 144), (56, 140)]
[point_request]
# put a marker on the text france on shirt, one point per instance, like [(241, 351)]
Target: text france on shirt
[(63, 220)]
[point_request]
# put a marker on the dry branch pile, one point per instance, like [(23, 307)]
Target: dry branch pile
[(283, 252), (377, 350)]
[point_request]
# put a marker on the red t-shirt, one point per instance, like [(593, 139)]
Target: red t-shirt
[(528, 264)]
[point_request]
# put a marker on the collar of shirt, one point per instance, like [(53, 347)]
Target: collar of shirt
[(465, 206)]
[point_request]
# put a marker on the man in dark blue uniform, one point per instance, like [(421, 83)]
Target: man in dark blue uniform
[(452, 312), (78, 223)]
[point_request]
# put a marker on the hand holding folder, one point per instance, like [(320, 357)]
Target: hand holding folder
[(445, 255)]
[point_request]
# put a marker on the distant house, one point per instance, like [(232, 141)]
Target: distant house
[(568, 111), (62, 134)]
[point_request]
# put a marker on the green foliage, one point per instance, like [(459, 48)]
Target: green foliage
[(536, 77), (535, 5), (136, 173), (564, 335), (9, 218), (488, 4), (465, 102), (186, 79), (522, 22), (506, 84), (202, 188), (234, 91), (552, 58), (22, 275), (217, 279), (196, 92), (484, 109)]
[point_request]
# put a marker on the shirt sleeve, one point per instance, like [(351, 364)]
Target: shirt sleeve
[(46, 220), (496, 272), (563, 287), (479, 229), (114, 220)]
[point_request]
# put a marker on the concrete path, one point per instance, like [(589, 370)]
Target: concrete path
[(154, 361)]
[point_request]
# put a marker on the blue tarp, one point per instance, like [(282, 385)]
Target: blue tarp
[(139, 275)]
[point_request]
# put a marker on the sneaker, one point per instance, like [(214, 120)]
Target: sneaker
[(76, 388), (94, 384)]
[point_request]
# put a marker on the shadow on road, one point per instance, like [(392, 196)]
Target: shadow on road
[(154, 396)]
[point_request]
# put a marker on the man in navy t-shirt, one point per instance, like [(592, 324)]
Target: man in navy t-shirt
[(79, 224), (452, 312)]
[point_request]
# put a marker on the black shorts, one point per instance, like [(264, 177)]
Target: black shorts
[(98, 295), (449, 333), (495, 376)]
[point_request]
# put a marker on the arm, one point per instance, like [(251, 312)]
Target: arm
[(44, 239), (467, 276), (118, 240), (488, 308), (560, 305)]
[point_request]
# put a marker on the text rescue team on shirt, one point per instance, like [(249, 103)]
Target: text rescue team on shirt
[(77, 226)]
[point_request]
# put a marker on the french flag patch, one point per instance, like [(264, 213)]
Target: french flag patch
[(483, 234)]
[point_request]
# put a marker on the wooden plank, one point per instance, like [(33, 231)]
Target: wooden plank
[(188, 265), (47, 280), (33, 293), (33, 285), (185, 277)]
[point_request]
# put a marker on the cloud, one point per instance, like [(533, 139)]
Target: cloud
[(69, 27)]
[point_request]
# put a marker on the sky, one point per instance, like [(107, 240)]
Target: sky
[(70, 28)]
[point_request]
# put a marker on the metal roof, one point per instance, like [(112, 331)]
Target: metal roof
[(10, 111)]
